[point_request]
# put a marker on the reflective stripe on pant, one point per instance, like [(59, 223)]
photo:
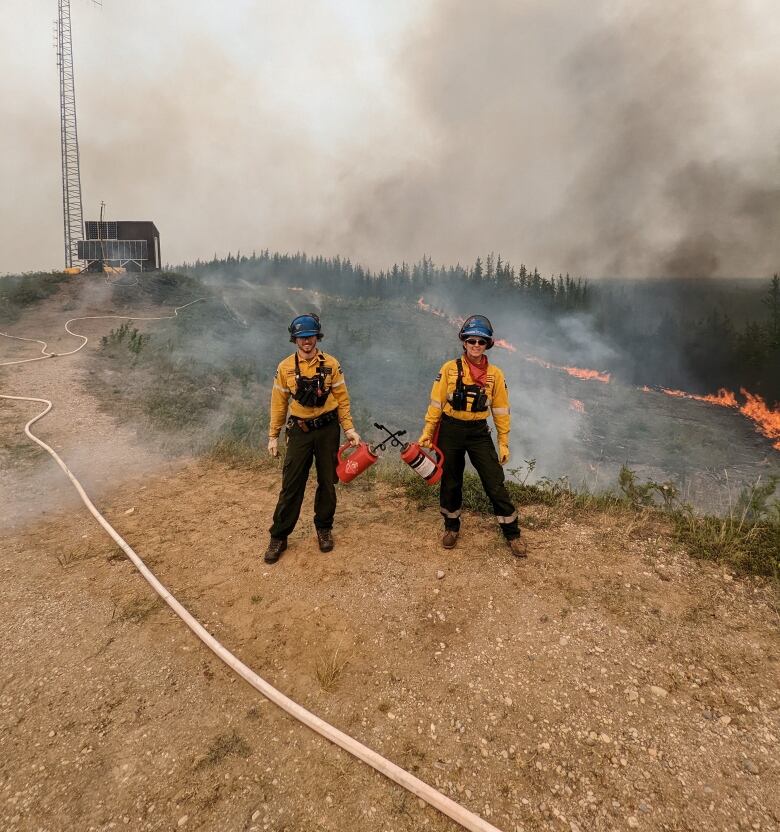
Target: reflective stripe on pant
[(321, 446), (456, 438)]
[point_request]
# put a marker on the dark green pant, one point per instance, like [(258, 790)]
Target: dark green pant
[(456, 438), (322, 446)]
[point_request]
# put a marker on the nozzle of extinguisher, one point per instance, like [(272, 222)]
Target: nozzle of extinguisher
[(428, 467)]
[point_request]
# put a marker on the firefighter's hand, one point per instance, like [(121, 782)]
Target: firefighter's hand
[(503, 453), (353, 436), (425, 441), (273, 446)]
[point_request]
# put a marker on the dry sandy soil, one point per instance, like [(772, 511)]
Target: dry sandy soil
[(609, 682)]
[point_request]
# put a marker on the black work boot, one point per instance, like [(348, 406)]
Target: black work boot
[(275, 548), (325, 539), (449, 539), (518, 547)]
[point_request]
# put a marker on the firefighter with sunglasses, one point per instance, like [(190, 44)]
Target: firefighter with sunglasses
[(311, 383), (466, 391)]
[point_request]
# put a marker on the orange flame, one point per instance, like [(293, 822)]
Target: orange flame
[(589, 375), (577, 372), (458, 322), (767, 420), (505, 345), (439, 313), (723, 398)]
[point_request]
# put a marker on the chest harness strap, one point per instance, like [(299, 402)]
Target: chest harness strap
[(311, 392), (468, 396)]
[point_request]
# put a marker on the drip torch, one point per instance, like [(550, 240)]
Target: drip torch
[(364, 455)]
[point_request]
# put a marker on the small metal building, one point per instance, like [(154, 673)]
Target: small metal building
[(133, 245)]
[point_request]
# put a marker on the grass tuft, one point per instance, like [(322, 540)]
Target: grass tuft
[(747, 538), (242, 439), (329, 667), (138, 610), (223, 746)]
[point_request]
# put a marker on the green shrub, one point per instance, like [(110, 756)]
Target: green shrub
[(242, 439), (180, 407), (747, 538), (644, 494), (20, 291)]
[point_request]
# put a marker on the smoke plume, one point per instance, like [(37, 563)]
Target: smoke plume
[(609, 138), (605, 138)]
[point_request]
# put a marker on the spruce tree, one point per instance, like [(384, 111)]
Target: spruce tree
[(772, 303)]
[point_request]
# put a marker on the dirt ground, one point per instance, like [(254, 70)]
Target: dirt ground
[(609, 682)]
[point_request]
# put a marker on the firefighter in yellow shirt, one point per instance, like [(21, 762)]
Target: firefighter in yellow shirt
[(464, 393), (312, 384)]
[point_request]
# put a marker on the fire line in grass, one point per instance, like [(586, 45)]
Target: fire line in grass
[(766, 419), (577, 372)]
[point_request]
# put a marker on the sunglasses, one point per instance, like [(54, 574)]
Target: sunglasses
[(474, 341)]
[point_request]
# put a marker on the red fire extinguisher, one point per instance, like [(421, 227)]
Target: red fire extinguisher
[(351, 466), (428, 467)]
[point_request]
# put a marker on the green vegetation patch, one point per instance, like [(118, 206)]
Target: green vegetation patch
[(242, 438), (20, 291), (746, 540)]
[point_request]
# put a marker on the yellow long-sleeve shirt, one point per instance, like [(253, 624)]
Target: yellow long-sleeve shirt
[(444, 386), (285, 385)]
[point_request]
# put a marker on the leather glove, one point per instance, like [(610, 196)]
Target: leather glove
[(425, 441), (273, 445), (353, 436), (503, 453)]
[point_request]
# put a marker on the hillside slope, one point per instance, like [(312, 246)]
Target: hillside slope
[(608, 682)]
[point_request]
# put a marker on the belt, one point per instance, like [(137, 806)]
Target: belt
[(465, 422), (313, 424)]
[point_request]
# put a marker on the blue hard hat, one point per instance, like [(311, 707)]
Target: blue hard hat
[(479, 326), (304, 326)]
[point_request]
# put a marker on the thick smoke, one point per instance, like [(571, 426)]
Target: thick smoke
[(609, 138), (605, 138)]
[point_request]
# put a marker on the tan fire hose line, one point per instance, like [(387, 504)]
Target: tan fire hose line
[(461, 815)]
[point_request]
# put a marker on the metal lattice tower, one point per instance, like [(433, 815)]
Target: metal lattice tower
[(73, 218)]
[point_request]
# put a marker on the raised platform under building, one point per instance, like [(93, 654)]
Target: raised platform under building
[(132, 245)]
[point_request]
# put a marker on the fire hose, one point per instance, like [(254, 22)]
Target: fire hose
[(461, 815)]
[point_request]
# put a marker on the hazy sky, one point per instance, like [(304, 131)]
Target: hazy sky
[(613, 137)]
